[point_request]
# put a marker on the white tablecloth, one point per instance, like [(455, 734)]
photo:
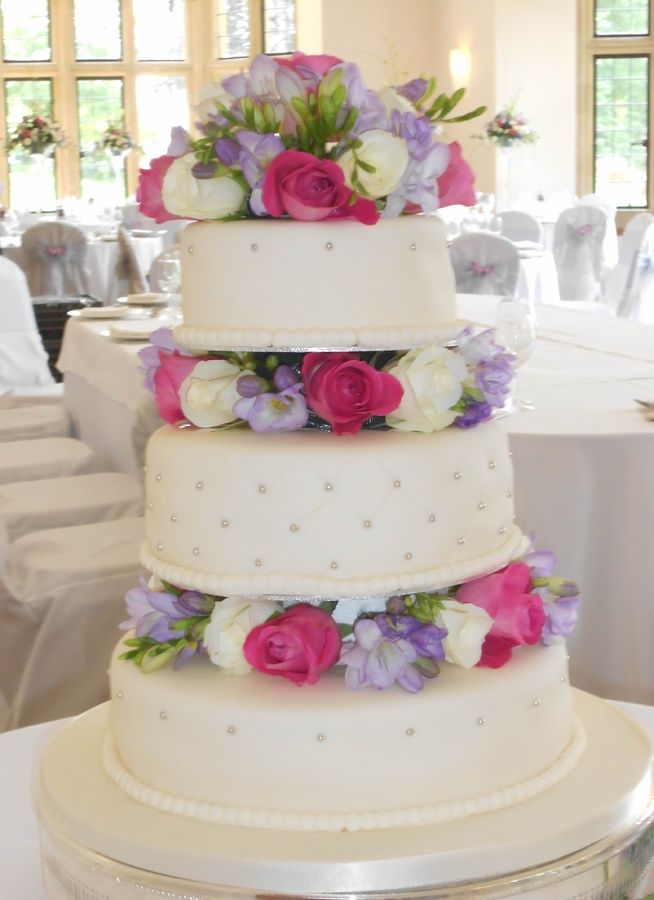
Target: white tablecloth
[(19, 852), (102, 257)]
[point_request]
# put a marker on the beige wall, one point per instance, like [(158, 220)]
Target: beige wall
[(525, 46)]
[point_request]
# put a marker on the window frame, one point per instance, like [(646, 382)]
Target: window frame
[(63, 69), (592, 46)]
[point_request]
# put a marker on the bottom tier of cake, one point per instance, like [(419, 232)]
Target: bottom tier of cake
[(604, 795)]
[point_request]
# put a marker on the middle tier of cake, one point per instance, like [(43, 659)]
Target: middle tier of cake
[(311, 514)]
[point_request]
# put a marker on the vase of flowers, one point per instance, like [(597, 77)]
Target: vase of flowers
[(36, 135), (116, 141), (509, 128)]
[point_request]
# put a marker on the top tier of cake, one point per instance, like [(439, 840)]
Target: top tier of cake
[(257, 285)]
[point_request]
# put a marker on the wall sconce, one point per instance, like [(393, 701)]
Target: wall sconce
[(460, 67)]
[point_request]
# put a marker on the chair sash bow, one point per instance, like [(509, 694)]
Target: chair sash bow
[(480, 269)]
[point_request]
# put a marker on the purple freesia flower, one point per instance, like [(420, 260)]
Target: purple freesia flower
[(152, 613), (561, 615), (250, 386), (377, 661), (473, 414), (256, 153), (412, 90), (161, 341), (418, 184), (416, 131), (541, 562), (284, 377), (204, 170), (493, 377), (285, 411), (227, 151), (180, 142), (426, 640)]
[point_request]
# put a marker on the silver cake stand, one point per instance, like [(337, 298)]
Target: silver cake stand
[(617, 868)]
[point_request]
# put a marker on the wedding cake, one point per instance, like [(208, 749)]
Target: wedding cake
[(345, 669)]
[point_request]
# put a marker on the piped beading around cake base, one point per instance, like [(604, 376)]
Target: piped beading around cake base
[(359, 821)]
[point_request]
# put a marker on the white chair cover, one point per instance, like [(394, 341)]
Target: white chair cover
[(485, 264), (611, 251), (24, 423), (638, 298), (23, 360), (65, 585), (154, 274), (54, 257), (45, 458), (30, 506), (623, 283), (520, 226), (578, 252)]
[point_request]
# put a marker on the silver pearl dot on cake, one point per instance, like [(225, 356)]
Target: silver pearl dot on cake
[(535, 701), (397, 483), (481, 720), (199, 485), (329, 245), (501, 529), (157, 477), (509, 494), (367, 523), (410, 732), (119, 694), (510, 454), (258, 562), (145, 470), (159, 546), (408, 555), (149, 506), (196, 551), (190, 250), (163, 715), (320, 738), (413, 246), (329, 486), (492, 465), (457, 476), (254, 247), (224, 523), (262, 488), (231, 729), (564, 678), (293, 527), (432, 518), (461, 540), (173, 518), (333, 564), (481, 505)]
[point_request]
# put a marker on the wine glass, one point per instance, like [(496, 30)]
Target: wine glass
[(170, 278), (516, 330)]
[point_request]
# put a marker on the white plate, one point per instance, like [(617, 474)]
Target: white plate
[(144, 299), (102, 312), (144, 232), (133, 331)]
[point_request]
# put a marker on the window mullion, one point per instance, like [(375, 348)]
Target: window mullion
[(63, 93), (129, 89)]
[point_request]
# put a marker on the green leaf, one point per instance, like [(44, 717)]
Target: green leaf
[(350, 121), (157, 657), (339, 95), (328, 606), (367, 167), (466, 116), (427, 667)]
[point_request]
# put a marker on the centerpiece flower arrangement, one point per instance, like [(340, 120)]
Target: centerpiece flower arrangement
[(304, 138), (35, 134), (115, 140), (509, 128), (379, 642)]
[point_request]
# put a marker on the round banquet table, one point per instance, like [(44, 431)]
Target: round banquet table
[(583, 462), (19, 849)]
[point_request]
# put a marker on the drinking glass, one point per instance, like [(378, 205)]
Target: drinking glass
[(516, 330), (170, 278)]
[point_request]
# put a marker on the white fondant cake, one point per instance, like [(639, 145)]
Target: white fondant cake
[(263, 284), (308, 513), (311, 760)]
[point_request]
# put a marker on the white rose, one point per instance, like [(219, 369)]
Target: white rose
[(210, 93), (199, 198), (386, 153), (467, 626), (229, 625), (432, 379), (394, 101), (207, 396)]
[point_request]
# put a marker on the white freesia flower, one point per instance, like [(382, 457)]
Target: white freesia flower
[(229, 625), (209, 94), (199, 198), (387, 154), (432, 379), (392, 100), (207, 396), (467, 626)]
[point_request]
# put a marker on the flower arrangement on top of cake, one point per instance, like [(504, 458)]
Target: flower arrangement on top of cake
[(303, 137)]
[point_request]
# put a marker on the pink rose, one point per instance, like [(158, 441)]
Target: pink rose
[(310, 189), (298, 645), (456, 184), (173, 369), (518, 615), (148, 192), (345, 391), (307, 64)]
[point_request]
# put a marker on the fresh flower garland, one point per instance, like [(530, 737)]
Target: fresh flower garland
[(115, 139), (379, 642), (423, 389), (34, 133), (303, 137), (509, 128)]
